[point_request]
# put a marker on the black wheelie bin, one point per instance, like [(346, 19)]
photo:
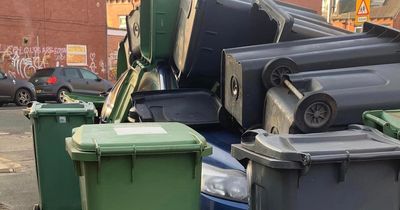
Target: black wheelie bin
[(206, 27), (193, 107), (141, 78), (325, 100), (248, 72), (357, 168)]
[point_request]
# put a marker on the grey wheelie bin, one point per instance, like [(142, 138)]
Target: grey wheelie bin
[(248, 72), (133, 34), (353, 169), (150, 166), (206, 27), (322, 100), (51, 124)]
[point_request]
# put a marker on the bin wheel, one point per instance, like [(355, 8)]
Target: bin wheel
[(315, 113), (36, 207), (274, 71)]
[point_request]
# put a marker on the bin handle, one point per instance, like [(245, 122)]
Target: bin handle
[(249, 137), (294, 90), (376, 120)]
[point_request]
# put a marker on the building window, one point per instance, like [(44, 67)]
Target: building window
[(377, 3), (122, 22), (358, 29)]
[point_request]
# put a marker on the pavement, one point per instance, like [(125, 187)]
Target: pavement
[(18, 186)]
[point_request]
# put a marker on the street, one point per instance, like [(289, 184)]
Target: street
[(18, 187)]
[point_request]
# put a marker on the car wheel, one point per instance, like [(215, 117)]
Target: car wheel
[(61, 94), (23, 97)]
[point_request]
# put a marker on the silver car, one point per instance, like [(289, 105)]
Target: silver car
[(14, 90)]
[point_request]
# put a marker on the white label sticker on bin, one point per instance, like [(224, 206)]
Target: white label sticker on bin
[(140, 130), (62, 119)]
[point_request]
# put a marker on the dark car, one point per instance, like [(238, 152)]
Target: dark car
[(53, 83), (14, 90)]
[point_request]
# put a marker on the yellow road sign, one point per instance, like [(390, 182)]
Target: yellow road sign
[(363, 11)]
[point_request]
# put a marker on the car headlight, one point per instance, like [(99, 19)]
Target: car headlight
[(224, 183)]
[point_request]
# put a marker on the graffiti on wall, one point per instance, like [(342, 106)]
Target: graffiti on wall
[(112, 64), (23, 62)]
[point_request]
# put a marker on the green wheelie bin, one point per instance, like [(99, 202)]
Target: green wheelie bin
[(57, 181), (144, 166), (387, 121)]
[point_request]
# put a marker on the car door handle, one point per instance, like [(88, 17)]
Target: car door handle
[(87, 82)]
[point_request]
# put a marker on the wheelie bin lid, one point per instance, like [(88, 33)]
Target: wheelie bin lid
[(88, 142), (97, 100), (358, 143), (386, 120), (291, 18), (45, 109)]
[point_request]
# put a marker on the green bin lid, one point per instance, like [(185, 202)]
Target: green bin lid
[(42, 109), (88, 142)]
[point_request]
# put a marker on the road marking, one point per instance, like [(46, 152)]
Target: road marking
[(4, 133)]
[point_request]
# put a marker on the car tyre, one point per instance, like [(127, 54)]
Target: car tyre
[(61, 94), (23, 97)]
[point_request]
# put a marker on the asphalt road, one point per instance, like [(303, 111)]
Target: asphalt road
[(18, 189)]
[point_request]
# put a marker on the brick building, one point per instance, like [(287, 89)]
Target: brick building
[(383, 12), (117, 10), (315, 5), (35, 34)]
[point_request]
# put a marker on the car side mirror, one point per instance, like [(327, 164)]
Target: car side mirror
[(99, 79)]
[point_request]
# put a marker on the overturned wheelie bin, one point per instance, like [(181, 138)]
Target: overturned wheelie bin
[(331, 99), (206, 27), (248, 72)]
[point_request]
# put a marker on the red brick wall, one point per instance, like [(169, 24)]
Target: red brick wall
[(315, 5), (112, 49), (114, 10), (49, 26), (349, 24), (397, 22)]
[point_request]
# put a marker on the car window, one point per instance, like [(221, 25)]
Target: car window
[(43, 73), (1, 75), (72, 73), (88, 75)]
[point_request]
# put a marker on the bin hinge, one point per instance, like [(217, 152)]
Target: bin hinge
[(197, 158), (306, 162), (133, 161), (397, 173), (98, 154), (344, 166)]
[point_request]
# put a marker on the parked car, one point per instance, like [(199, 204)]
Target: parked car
[(54, 83), (15, 90)]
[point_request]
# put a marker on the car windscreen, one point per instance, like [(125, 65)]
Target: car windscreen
[(43, 73)]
